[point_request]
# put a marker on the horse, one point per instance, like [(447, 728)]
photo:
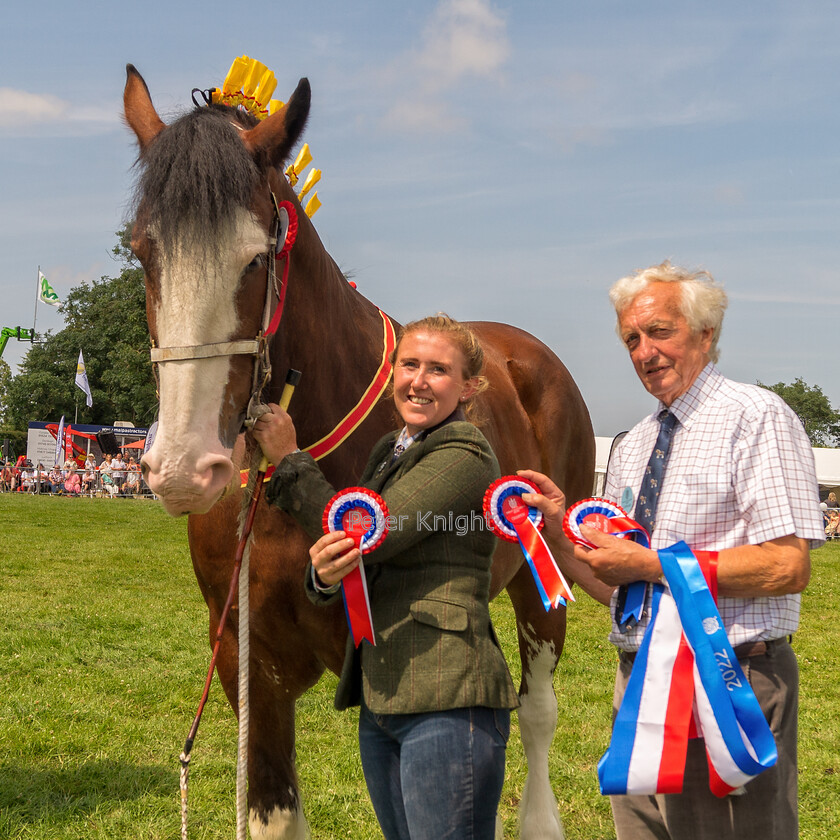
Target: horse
[(205, 217)]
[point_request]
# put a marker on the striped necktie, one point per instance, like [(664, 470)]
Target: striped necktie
[(645, 513)]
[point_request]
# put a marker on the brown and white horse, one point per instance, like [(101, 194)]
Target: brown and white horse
[(205, 214)]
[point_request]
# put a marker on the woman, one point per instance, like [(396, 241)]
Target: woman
[(89, 476), (132, 478), (106, 480), (5, 478), (55, 481), (72, 483), (435, 691)]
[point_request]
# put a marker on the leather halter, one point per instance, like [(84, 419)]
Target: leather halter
[(281, 239)]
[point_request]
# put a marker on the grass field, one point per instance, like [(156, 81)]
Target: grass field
[(104, 651)]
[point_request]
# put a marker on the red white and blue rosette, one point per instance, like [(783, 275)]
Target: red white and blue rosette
[(605, 516), (611, 519), (511, 519), (363, 515)]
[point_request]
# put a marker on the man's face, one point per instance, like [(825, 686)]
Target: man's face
[(667, 356)]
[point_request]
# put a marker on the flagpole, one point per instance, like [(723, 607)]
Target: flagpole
[(37, 295)]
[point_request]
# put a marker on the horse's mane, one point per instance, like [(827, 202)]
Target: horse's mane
[(195, 174)]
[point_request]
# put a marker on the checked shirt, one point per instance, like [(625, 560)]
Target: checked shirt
[(740, 471)]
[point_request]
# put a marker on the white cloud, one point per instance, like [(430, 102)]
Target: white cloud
[(463, 40), (23, 112), (18, 106)]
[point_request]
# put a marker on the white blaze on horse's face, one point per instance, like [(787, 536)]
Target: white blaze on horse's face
[(189, 465)]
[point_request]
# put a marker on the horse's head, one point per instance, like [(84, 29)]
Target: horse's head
[(202, 231)]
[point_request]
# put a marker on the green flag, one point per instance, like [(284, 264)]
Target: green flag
[(48, 294)]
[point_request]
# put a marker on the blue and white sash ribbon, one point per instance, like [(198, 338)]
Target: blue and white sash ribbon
[(685, 658)]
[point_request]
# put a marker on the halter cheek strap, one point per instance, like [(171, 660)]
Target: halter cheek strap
[(284, 233)]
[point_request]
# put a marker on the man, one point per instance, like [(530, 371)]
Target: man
[(739, 479), (118, 471)]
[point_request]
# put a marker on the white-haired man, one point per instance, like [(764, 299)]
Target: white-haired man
[(739, 480)]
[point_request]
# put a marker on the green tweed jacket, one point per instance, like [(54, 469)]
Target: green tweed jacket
[(428, 581)]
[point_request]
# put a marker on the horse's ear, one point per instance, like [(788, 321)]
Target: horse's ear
[(276, 135), (139, 111)]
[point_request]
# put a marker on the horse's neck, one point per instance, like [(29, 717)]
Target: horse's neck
[(334, 336)]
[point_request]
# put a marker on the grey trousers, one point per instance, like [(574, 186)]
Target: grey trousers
[(767, 810)]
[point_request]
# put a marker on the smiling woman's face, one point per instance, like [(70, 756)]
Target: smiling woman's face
[(429, 379)]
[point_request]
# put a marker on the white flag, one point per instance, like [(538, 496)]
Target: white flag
[(59, 442), (82, 380), (47, 293)]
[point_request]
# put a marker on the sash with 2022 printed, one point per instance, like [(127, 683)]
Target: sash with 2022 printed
[(686, 679)]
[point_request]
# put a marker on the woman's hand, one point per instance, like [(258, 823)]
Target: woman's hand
[(275, 432), (334, 557)]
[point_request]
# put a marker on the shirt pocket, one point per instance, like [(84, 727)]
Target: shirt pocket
[(699, 496)]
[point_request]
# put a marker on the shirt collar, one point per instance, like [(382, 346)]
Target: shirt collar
[(685, 407), (405, 440)]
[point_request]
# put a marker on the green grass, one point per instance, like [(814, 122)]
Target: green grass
[(103, 655)]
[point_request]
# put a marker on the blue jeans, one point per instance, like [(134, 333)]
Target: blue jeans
[(435, 775)]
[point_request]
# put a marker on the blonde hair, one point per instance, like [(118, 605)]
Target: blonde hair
[(461, 336), (702, 301)]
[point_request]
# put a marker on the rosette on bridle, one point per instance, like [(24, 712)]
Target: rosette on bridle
[(363, 516), (512, 520)]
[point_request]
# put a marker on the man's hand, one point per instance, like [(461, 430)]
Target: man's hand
[(617, 561), (550, 501)]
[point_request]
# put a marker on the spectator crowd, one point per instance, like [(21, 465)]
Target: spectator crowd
[(113, 477)]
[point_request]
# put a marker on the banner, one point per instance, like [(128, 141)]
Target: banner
[(47, 293), (82, 380), (59, 443)]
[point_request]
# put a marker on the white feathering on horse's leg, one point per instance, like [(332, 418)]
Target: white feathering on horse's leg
[(538, 815), (281, 824)]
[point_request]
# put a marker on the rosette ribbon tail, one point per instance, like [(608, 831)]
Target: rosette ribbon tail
[(631, 597), (552, 586), (630, 610), (357, 605), (685, 664)]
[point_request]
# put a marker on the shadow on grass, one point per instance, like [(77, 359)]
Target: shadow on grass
[(59, 794)]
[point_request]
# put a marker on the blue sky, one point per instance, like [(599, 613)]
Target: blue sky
[(495, 160)]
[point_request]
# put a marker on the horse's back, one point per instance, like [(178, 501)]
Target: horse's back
[(533, 412)]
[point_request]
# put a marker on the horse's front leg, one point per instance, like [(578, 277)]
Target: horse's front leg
[(275, 811), (541, 636)]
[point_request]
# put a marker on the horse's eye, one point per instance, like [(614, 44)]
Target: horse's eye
[(255, 263)]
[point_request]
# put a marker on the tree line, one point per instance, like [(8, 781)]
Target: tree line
[(106, 319)]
